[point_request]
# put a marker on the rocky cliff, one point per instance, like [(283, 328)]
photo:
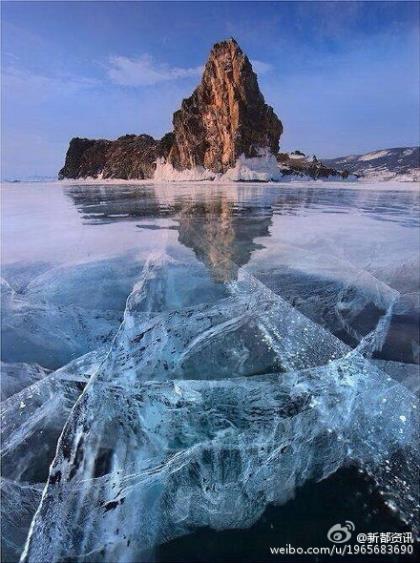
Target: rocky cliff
[(131, 156), (225, 117), (300, 165)]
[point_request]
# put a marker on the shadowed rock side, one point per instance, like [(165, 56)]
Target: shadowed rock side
[(225, 117), (131, 156), (84, 158)]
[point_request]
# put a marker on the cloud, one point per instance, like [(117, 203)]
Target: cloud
[(34, 88), (260, 67), (145, 71)]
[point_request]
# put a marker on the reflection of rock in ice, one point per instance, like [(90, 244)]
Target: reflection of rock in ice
[(177, 429), (222, 227), (219, 229), (221, 234), (107, 203)]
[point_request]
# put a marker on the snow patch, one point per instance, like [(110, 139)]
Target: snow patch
[(297, 157), (383, 175), (373, 155), (262, 168), (165, 172)]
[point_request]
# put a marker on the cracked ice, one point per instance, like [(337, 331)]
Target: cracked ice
[(200, 408)]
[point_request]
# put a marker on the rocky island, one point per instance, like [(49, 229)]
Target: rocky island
[(224, 128)]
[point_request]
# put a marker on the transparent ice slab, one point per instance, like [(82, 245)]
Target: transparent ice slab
[(143, 459)]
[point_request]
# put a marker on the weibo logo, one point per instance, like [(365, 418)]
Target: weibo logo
[(341, 533)]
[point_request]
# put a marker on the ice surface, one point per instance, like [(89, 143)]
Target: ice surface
[(241, 346), (19, 502), (31, 422), (64, 311), (406, 374), (15, 377), (38, 331), (143, 459), (39, 411)]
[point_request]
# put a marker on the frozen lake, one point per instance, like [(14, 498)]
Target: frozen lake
[(234, 352)]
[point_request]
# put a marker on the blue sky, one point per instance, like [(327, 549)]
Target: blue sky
[(342, 76)]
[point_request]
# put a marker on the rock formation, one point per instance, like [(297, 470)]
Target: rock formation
[(225, 117), (128, 157), (298, 164)]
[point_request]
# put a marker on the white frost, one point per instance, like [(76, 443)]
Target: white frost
[(262, 168), (165, 172)]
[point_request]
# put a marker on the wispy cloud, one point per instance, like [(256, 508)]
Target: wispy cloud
[(145, 71), (260, 67), (35, 88)]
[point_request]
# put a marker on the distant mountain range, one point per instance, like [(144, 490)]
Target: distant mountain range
[(402, 163)]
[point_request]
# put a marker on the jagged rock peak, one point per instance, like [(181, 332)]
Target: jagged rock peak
[(226, 115)]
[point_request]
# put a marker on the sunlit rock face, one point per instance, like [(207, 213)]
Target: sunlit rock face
[(225, 117)]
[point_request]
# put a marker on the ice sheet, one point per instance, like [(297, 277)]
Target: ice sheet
[(143, 459), (230, 344)]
